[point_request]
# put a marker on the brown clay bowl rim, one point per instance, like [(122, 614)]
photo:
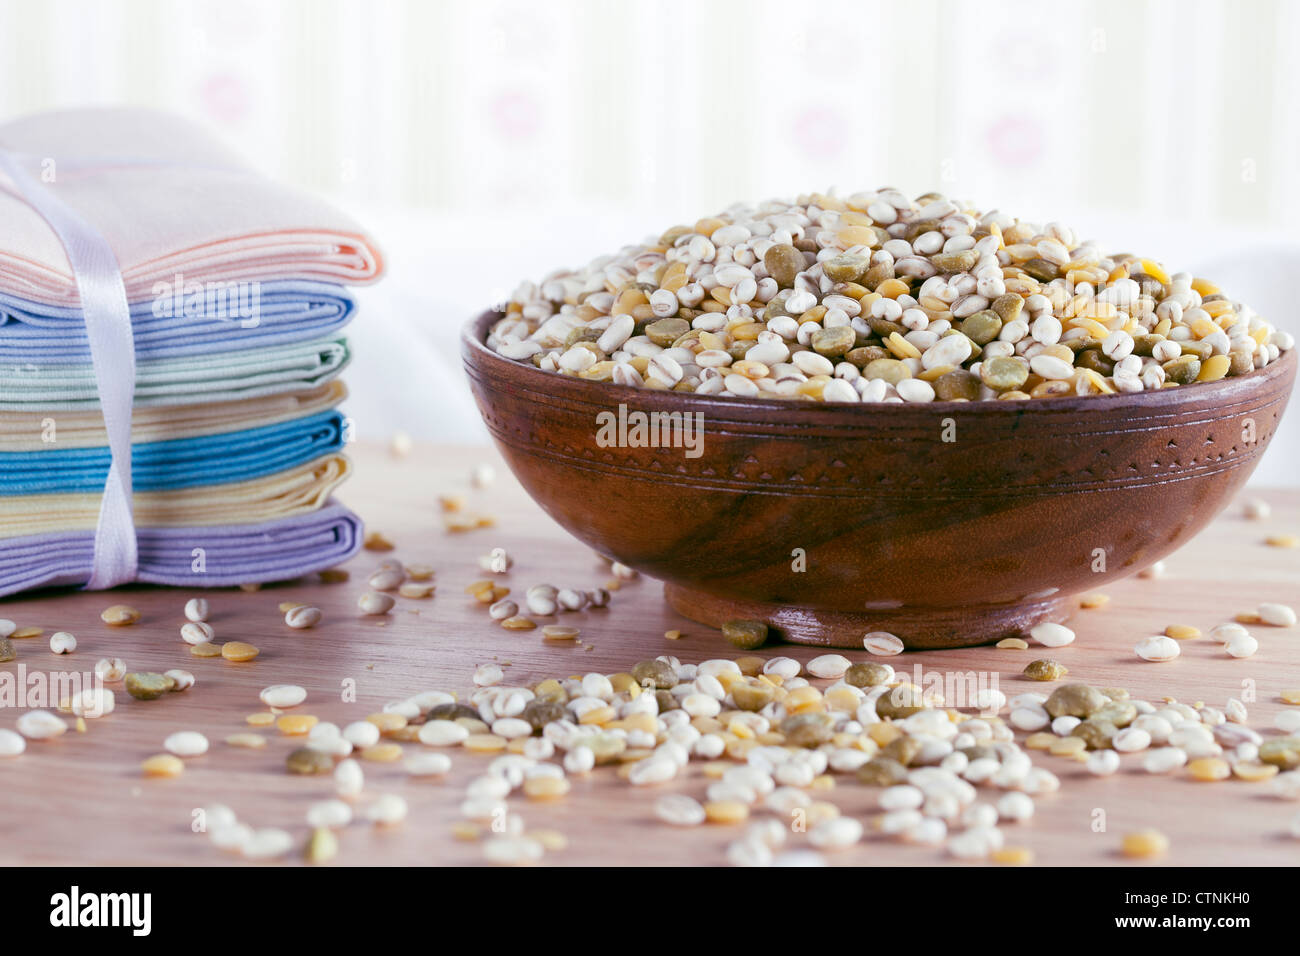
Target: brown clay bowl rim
[(1224, 391)]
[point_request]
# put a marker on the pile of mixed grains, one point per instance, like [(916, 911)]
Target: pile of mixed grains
[(880, 298), (761, 744)]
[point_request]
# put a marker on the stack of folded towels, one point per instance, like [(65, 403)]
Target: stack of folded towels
[(201, 447)]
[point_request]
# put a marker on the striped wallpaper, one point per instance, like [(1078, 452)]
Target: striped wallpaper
[(1166, 108)]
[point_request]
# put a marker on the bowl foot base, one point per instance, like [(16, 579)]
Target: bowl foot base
[(919, 628)]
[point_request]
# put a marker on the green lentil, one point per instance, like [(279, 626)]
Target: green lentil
[(1144, 344), (540, 712), (581, 334), (752, 697), (148, 686), (864, 356), (322, 845), (1281, 752), (983, 327), (845, 267), (452, 712), (1096, 733), (834, 341), (1075, 700), (877, 274), (957, 384), (7, 651), (1007, 306), (1183, 369), (666, 701), (807, 730), (1004, 373), (885, 328), (903, 701), (305, 760), (867, 674), (746, 635), (903, 749), (882, 772), (1041, 269), (658, 674), (1202, 350), (665, 332), (1045, 669), (1121, 713), (1096, 360), (891, 370), (962, 261), (783, 263)]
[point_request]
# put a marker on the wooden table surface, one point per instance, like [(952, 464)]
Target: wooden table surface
[(81, 799)]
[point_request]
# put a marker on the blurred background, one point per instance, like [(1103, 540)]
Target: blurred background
[(491, 141)]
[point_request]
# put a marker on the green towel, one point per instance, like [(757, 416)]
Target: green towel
[(227, 376)]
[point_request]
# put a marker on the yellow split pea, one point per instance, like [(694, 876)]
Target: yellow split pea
[(238, 651), (726, 811), (1143, 844), (296, 725), (162, 765)]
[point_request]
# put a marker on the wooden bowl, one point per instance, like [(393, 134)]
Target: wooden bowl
[(948, 524)]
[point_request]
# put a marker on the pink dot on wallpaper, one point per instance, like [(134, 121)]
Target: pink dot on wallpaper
[(225, 97), (820, 131), (516, 115), (1015, 141)]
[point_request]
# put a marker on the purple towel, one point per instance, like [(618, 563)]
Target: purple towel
[(229, 555)]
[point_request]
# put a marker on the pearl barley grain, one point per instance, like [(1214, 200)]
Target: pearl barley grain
[(1164, 759), (41, 725), (1052, 635), (375, 603), (829, 666), (197, 632), (181, 680), (196, 609), (61, 642), (679, 810), (1102, 763), (882, 644), (1241, 646), (11, 743), (110, 669), (186, 743), (281, 696), (329, 813), (349, 779), (1158, 648), (1278, 615), (389, 809), (302, 617)]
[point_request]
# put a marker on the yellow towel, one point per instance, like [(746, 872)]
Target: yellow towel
[(47, 431), (293, 492)]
